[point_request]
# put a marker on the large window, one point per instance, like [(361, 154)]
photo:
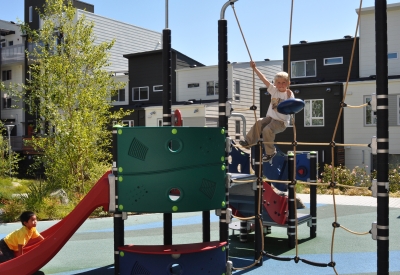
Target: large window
[(212, 88), (304, 68), (6, 102), (314, 112), (237, 127), (119, 95), (140, 93), (370, 117), (237, 90)]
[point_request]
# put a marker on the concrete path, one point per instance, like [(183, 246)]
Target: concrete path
[(349, 200)]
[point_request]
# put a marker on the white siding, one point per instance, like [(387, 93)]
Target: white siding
[(128, 39), (367, 40), (195, 75), (354, 130), (236, 71), (192, 115)]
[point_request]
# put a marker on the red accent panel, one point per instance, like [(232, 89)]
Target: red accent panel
[(178, 118), (276, 205), (36, 255), (172, 249)]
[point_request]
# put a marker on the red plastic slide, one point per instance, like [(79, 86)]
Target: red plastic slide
[(36, 255)]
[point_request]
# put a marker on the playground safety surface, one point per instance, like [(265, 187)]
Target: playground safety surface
[(90, 250)]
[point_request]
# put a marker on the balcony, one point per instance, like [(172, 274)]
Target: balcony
[(12, 54)]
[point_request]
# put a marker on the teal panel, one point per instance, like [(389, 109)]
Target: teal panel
[(152, 161)]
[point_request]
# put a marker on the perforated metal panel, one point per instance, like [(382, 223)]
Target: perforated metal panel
[(171, 169)]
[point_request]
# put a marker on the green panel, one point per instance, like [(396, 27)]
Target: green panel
[(153, 160)]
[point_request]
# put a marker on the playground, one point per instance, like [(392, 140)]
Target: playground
[(89, 251), (202, 215)]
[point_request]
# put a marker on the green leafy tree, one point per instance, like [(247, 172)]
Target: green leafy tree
[(70, 90), (8, 158)]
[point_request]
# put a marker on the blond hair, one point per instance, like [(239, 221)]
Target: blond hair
[(283, 75)]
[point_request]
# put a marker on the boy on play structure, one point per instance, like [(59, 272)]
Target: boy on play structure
[(274, 122), (12, 245)]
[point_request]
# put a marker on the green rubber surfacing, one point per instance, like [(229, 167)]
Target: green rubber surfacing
[(154, 162)]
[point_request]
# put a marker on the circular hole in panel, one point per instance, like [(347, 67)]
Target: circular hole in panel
[(239, 168), (175, 269), (174, 145), (174, 194), (230, 159)]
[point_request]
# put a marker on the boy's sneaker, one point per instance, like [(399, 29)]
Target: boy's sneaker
[(267, 158), (244, 144)]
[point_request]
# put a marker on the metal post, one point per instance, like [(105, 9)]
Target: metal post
[(291, 218), (9, 129), (167, 104), (258, 205), (313, 194), (382, 137), (117, 217)]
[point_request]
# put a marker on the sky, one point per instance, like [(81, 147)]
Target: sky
[(194, 23)]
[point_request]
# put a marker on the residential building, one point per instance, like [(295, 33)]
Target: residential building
[(146, 87), (128, 39)]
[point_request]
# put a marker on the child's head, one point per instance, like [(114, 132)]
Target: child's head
[(281, 81), (28, 218)]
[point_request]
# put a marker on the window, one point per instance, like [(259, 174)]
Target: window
[(314, 112), (159, 122), (212, 88), (10, 43), (333, 61), (3, 44), (158, 88), (119, 95), (6, 75), (128, 123), (237, 127), (6, 102), (193, 85), (304, 68), (30, 14), (237, 90), (140, 93), (392, 55), (370, 117)]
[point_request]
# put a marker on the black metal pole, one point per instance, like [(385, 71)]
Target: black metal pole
[(167, 87), (222, 119), (382, 137), (291, 217), (258, 205), (117, 217), (313, 194)]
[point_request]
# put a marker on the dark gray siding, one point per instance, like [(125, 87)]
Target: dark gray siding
[(320, 134), (146, 69), (321, 50)]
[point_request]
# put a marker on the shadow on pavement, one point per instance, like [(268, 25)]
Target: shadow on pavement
[(105, 270)]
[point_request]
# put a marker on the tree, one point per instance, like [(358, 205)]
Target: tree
[(70, 91)]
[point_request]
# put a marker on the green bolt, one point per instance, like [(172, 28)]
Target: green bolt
[(120, 179), (174, 208), (120, 131), (120, 169), (174, 131), (121, 253), (120, 207)]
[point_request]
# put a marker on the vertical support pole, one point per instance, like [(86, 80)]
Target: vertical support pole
[(313, 194), (382, 137), (167, 87), (291, 218), (243, 231), (117, 217), (222, 119), (258, 205)]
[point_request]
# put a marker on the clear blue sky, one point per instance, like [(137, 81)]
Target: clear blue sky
[(194, 23)]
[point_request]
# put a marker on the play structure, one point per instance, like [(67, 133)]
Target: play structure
[(174, 169)]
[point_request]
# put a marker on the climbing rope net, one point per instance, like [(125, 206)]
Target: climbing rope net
[(332, 184)]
